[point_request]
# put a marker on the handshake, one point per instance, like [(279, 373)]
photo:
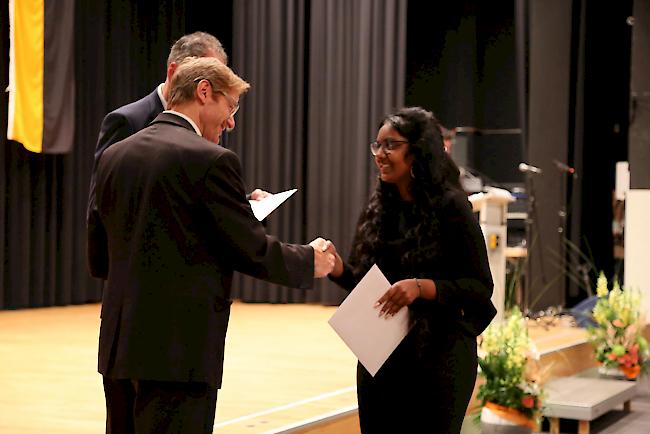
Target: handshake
[(326, 259)]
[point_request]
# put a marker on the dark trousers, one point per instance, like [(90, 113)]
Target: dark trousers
[(425, 394), (144, 407)]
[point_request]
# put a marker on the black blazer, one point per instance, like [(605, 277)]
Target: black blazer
[(120, 124), (170, 225), (461, 270)]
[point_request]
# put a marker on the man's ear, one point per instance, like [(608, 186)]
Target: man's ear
[(170, 71), (202, 91)]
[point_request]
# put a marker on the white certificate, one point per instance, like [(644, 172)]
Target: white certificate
[(262, 208), (370, 337)]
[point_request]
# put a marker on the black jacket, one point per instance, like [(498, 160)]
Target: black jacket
[(169, 226)]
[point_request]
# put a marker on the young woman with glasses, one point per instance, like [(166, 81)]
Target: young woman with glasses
[(418, 227)]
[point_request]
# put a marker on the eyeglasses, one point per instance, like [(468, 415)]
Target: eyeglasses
[(388, 146), (234, 105)]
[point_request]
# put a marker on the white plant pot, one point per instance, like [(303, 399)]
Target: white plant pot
[(610, 372), (493, 424)]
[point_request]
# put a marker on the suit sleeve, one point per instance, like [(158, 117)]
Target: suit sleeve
[(250, 249), (346, 280), (115, 127)]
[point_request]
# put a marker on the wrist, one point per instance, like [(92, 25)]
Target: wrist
[(426, 288), (418, 284), (338, 266)]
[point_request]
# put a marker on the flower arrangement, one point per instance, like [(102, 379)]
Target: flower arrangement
[(617, 337), (509, 389)]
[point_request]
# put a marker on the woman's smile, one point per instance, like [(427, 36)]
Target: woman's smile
[(384, 167)]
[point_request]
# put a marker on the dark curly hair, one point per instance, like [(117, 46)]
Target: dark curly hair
[(434, 173)]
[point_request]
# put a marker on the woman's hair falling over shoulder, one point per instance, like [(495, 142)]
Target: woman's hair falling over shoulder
[(433, 174)]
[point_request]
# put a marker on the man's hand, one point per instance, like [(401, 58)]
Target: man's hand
[(258, 194), (323, 259)]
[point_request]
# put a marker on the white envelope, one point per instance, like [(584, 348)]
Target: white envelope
[(370, 337), (262, 208)]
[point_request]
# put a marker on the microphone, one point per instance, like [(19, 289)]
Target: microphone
[(473, 131), (565, 168), (527, 168)]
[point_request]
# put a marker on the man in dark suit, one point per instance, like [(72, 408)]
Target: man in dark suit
[(131, 118), (169, 226)]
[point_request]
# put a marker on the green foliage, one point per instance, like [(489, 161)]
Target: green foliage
[(617, 338), (504, 354)]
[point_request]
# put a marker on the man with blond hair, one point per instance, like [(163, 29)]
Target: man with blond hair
[(170, 225)]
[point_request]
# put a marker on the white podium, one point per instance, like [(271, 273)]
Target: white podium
[(492, 207), (637, 240)]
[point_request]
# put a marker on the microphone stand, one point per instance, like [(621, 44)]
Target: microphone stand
[(562, 216), (561, 227), (531, 239)]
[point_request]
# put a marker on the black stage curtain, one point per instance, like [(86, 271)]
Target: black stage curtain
[(269, 52), (549, 129), (323, 74), (545, 66), (639, 96), (605, 124), (121, 52), (357, 68), (579, 105)]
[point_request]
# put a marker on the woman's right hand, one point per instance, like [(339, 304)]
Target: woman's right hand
[(338, 262)]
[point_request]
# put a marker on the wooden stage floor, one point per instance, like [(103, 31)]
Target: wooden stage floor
[(284, 366)]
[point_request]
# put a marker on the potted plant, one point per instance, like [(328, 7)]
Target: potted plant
[(619, 345), (510, 397)]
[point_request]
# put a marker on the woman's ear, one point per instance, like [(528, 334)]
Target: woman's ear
[(409, 158)]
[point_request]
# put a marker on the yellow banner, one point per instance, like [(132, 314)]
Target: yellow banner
[(25, 123)]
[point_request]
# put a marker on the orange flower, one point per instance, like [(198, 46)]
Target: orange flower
[(528, 401), (631, 372), (617, 323)]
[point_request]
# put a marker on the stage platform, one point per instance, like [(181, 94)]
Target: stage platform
[(285, 370)]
